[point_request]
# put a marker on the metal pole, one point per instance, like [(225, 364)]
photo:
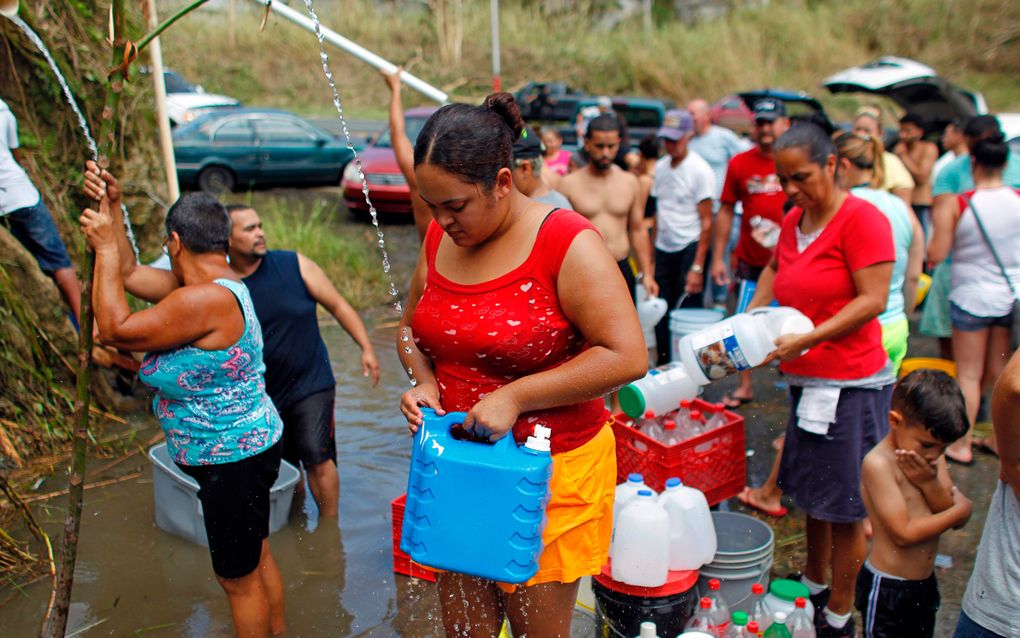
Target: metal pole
[(356, 50), (166, 145), (497, 82)]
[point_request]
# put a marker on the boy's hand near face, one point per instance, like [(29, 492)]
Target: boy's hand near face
[(916, 469)]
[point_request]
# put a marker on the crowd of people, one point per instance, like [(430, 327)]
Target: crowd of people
[(517, 313)]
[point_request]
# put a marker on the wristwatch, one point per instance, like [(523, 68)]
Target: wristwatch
[(697, 268)]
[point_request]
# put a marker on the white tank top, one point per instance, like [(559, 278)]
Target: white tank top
[(978, 285)]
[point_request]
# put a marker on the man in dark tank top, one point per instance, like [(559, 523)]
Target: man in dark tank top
[(286, 288)]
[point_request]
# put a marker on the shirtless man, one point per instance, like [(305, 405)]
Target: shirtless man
[(919, 157), (911, 502), (611, 198)]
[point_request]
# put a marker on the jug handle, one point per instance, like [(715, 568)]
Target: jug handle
[(451, 419)]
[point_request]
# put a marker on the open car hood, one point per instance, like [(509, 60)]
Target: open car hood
[(914, 86), (798, 103)]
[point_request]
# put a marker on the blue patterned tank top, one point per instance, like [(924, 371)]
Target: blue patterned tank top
[(213, 404)]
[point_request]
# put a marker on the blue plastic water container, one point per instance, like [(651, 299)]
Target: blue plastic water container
[(476, 508)]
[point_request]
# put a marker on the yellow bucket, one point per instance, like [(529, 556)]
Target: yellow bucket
[(923, 286), (928, 363)]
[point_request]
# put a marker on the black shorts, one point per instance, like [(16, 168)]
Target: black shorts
[(235, 505), (628, 276), (822, 474), (309, 436), (896, 608)]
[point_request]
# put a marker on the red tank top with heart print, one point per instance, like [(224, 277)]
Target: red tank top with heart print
[(482, 336)]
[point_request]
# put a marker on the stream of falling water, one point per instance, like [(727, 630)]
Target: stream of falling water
[(82, 122), (338, 105)]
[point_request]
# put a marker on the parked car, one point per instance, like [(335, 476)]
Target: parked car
[(915, 87), (186, 102), (799, 105), (547, 101), (1010, 123), (643, 115), (245, 148), (733, 113), (386, 184)]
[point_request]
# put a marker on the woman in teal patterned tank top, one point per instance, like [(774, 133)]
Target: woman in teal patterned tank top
[(204, 363)]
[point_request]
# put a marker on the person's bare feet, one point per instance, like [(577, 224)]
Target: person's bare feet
[(961, 452), (987, 444), (765, 501)]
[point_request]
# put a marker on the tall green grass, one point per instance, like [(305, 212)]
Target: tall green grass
[(315, 228), (787, 43)]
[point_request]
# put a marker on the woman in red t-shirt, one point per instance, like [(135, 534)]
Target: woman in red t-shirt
[(517, 315), (833, 262)]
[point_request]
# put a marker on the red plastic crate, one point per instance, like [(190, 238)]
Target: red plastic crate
[(714, 462), (402, 563)]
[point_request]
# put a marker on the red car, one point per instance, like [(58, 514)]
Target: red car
[(386, 184), (732, 112)]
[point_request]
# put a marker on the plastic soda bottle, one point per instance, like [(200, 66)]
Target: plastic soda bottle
[(697, 423), (778, 627), (700, 620), (738, 626), (718, 418), (760, 613), (649, 426), (753, 629), (799, 623), (670, 434), (720, 610)]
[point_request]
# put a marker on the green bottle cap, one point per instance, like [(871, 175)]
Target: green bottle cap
[(631, 401), (739, 618), (788, 590)]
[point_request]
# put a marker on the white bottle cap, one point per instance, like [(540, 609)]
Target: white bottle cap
[(540, 440), (648, 630)]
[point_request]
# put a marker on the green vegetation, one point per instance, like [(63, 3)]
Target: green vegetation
[(786, 43), (347, 252)]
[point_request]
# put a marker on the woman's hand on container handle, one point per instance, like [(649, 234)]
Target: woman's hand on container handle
[(494, 416), (425, 395)]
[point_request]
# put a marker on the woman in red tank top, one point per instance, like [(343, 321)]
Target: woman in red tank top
[(517, 315)]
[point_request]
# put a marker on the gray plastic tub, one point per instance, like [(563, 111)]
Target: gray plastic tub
[(743, 557), (178, 510)]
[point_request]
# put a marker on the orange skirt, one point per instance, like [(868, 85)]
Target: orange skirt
[(579, 517)]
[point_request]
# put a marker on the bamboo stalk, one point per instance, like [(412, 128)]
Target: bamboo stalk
[(55, 621)]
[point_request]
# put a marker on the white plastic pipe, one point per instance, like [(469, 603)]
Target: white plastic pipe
[(166, 145), (356, 50)]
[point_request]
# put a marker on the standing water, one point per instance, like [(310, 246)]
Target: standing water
[(69, 98)]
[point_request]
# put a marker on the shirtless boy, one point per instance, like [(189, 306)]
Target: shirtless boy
[(911, 502), (611, 198), (919, 157)]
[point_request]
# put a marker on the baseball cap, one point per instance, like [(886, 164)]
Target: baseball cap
[(604, 102), (769, 109), (676, 124), (528, 145)]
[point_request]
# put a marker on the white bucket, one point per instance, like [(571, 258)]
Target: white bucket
[(685, 321)]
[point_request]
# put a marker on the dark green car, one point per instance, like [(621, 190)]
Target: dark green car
[(255, 148)]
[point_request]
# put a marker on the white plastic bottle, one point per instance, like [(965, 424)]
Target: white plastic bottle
[(692, 541), (661, 390), (640, 554), (740, 342), (626, 491), (650, 310)]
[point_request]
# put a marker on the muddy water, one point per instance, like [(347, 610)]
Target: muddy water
[(135, 580)]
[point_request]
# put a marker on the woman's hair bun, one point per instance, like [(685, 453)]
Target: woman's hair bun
[(504, 105)]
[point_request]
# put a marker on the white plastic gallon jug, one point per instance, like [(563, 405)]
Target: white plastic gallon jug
[(624, 492), (640, 554), (692, 541), (740, 342), (661, 390), (650, 310)]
